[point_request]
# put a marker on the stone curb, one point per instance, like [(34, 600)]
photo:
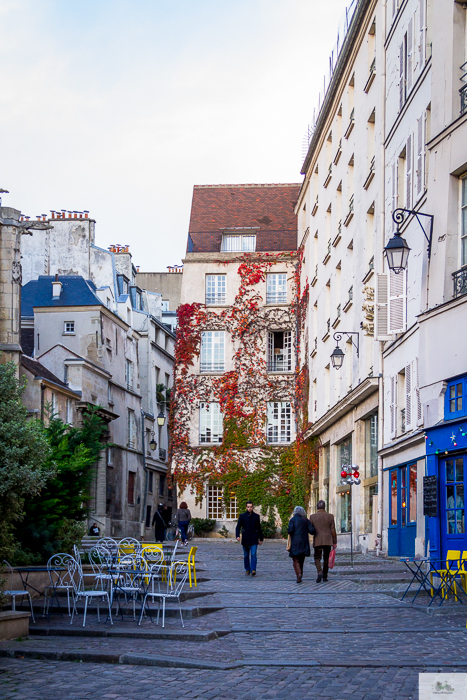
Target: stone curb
[(180, 635), (170, 662)]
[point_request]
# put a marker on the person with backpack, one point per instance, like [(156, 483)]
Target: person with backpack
[(324, 539)]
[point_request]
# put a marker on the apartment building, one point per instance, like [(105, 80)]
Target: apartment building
[(340, 217), (235, 353)]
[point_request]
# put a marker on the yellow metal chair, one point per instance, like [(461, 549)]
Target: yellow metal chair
[(463, 571), (191, 565), (448, 575)]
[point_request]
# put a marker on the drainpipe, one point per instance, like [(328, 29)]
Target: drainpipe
[(146, 478)]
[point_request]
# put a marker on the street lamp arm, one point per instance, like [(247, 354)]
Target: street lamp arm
[(338, 337), (399, 217)]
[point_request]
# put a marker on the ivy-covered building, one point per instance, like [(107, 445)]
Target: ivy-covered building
[(236, 413)]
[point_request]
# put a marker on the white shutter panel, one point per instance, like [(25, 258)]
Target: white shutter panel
[(408, 396), (270, 351), (273, 422), (401, 76), (397, 302), (421, 35), (393, 406), (408, 181), (288, 350), (393, 7), (410, 55), (419, 417), (416, 56), (419, 174), (381, 307)]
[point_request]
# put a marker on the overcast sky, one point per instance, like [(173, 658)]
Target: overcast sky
[(121, 106)]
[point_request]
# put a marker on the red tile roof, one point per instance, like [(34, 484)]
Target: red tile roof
[(267, 209)]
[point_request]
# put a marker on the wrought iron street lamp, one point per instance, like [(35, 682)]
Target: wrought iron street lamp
[(152, 442), (337, 357), (161, 419), (397, 250)]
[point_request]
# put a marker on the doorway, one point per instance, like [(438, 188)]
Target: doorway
[(402, 528), (452, 490)]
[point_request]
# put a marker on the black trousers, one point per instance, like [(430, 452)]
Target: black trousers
[(324, 552), (298, 562)]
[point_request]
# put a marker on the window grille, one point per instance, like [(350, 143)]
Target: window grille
[(215, 503)]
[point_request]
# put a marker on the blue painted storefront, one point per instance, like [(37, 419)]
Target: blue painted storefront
[(446, 450)]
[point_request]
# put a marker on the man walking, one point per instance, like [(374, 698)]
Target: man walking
[(323, 540), (249, 525), (160, 522)]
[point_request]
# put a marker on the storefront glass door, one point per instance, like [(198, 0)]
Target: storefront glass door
[(402, 528), (452, 478)]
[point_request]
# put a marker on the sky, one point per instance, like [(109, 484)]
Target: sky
[(120, 107)]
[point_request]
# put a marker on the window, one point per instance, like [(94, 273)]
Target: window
[(215, 502), (148, 440), (231, 505), (276, 290), (110, 456), (54, 406), (69, 328), (279, 421), (464, 222), (212, 351), (390, 306), (370, 491), (345, 454), (371, 446), (327, 461), (131, 487), (344, 504), (148, 516), (232, 243), (150, 482), (129, 374), (455, 405), (69, 411), (110, 393), (215, 289), (210, 423), (393, 486), (164, 305), (161, 484), (455, 496), (131, 428), (279, 351)]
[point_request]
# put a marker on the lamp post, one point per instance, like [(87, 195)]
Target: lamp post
[(337, 357), (161, 418), (397, 250), (152, 442), (350, 476)]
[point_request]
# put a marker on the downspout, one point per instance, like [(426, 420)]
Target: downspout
[(146, 479), (379, 535)]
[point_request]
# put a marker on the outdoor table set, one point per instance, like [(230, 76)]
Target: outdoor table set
[(425, 571)]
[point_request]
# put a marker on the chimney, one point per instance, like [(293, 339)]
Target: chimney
[(56, 288)]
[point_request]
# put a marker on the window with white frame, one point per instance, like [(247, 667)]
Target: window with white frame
[(279, 421), (231, 506), (279, 351), (464, 221), (110, 456), (69, 412), (210, 422), (212, 351), (131, 428), (276, 290), (68, 327), (129, 374), (54, 406), (215, 289), (238, 242), (220, 505)]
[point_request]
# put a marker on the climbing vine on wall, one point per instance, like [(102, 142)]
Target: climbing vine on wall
[(273, 476)]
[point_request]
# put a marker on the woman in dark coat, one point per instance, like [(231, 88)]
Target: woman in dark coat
[(299, 529)]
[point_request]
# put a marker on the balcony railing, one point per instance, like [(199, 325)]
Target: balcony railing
[(351, 124), (215, 299), (276, 297), (212, 367), (460, 282), (463, 90), (279, 363), (370, 175)]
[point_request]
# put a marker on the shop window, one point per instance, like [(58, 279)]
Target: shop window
[(370, 513), (371, 446), (345, 510), (455, 403), (455, 496), (327, 460), (393, 488), (345, 454)]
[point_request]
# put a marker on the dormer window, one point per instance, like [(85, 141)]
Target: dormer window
[(238, 242)]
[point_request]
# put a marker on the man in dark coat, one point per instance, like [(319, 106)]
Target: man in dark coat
[(249, 525), (323, 540), (160, 522), (299, 529)]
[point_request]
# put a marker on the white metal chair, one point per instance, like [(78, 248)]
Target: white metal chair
[(16, 593), (76, 576), (128, 582), (62, 579), (109, 544), (100, 560), (176, 579), (128, 546)]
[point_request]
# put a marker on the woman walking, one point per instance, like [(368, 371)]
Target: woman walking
[(183, 519), (299, 529)]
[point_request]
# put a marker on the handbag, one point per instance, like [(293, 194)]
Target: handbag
[(289, 543), (332, 557)]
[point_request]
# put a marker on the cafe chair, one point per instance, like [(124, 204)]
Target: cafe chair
[(15, 593), (448, 575), (178, 570), (76, 576), (191, 565)]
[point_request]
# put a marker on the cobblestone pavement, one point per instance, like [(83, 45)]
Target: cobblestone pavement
[(261, 637)]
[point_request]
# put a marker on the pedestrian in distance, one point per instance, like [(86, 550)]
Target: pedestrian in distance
[(160, 522), (183, 519), (324, 539), (249, 526), (94, 530), (299, 528)]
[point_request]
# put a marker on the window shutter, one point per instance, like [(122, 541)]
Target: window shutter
[(419, 182), (270, 350), (408, 181), (397, 302), (401, 76), (421, 35), (408, 396), (417, 395), (393, 406), (288, 350), (381, 316), (410, 55)]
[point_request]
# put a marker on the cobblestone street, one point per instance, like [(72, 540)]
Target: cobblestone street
[(245, 637)]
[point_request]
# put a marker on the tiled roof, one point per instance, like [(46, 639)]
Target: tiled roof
[(268, 209), (39, 370), (76, 291)]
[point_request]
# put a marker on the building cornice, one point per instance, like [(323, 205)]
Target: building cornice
[(447, 131), (355, 397), (403, 443), (442, 308)]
